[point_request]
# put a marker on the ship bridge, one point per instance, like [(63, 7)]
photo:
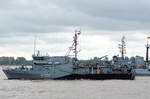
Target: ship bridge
[(47, 60)]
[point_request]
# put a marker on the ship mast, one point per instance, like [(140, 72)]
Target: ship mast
[(147, 50), (34, 45), (122, 47), (74, 47), (76, 43)]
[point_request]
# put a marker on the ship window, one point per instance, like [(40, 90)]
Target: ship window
[(38, 58)]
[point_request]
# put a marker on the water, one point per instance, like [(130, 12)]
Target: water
[(76, 89)]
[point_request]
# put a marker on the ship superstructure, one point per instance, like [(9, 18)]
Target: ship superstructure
[(44, 67)]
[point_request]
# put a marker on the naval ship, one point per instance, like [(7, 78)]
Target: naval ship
[(69, 67)]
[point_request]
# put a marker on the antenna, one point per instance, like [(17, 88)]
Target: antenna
[(74, 47), (35, 44), (122, 47)]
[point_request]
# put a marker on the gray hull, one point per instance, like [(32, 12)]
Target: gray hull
[(20, 75), (13, 75), (28, 75)]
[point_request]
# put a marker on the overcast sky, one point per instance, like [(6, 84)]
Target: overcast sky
[(103, 23)]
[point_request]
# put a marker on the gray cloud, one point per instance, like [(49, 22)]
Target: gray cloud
[(54, 16), (21, 20), (112, 15)]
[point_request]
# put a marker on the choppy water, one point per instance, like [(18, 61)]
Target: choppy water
[(77, 89)]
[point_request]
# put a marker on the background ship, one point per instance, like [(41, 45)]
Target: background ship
[(67, 67), (146, 70)]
